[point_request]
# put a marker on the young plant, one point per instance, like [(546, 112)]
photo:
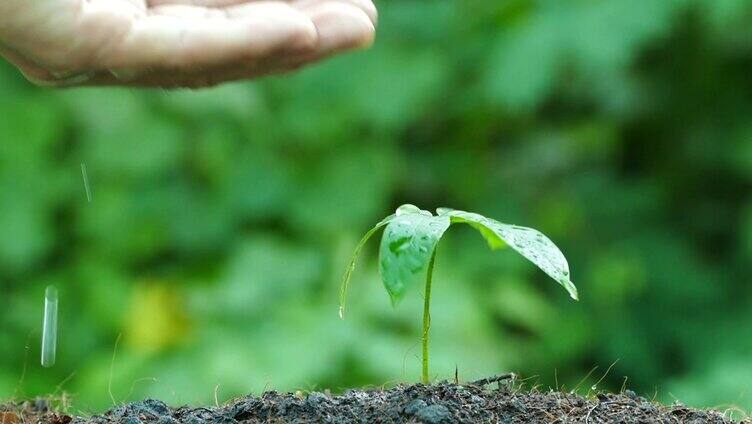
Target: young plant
[(408, 249)]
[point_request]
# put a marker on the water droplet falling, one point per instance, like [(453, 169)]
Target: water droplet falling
[(49, 327), (86, 182)]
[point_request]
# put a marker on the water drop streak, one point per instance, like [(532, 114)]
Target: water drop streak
[(86, 182), (49, 327)]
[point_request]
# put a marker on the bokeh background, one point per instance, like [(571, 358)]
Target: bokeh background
[(222, 220)]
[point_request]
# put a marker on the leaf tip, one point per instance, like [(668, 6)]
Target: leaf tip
[(394, 299), (573, 292)]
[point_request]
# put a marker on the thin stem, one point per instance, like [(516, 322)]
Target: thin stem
[(427, 316)]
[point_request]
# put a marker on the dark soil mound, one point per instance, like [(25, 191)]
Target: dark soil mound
[(440, 403)]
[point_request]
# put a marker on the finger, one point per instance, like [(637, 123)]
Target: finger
[(201, 3), (41, 76), (340, 27), (183, 37), (366, 6), (30, 70), (198, 79), (169, 81)]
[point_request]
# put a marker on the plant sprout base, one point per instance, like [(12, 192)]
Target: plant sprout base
[(408, 249), (427, 317)]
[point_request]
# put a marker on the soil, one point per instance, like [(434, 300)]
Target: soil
[(435, 404)]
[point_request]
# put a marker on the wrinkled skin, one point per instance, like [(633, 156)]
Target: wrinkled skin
[(176, 43)]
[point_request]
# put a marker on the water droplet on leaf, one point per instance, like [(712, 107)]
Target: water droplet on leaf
[(407, 209)]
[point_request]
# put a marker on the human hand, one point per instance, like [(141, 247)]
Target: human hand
[(176, 43)]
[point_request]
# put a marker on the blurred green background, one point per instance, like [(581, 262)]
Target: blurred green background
[(222, 220)]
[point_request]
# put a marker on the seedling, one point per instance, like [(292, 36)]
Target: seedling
[(408, 249)]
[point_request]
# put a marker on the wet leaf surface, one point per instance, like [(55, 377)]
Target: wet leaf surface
[(406, 248), (528, 242)]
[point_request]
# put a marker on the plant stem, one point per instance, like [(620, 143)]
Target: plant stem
[(427, 316)]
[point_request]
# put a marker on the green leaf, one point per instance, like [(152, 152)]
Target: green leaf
[(530, 243), (494, 241), (406, 248), (351, 267)]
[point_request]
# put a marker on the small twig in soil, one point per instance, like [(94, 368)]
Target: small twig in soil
[(490, 380), (569, 401), (587, 417)]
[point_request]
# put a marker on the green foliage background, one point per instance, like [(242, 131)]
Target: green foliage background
[(222, 220)]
